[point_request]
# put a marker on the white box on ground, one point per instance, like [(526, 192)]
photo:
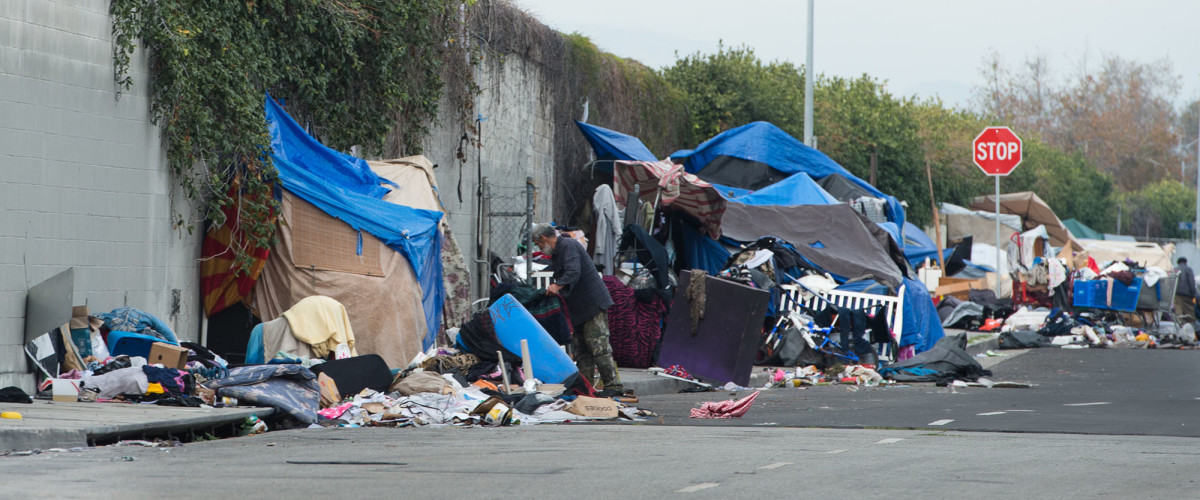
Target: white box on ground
[(65, 390)]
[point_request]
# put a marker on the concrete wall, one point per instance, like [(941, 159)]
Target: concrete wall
[(518, 142), (83, 177)]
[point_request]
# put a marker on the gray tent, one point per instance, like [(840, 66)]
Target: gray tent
[(833, 237)]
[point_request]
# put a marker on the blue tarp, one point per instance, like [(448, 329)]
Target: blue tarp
[(765, 143), (345, 187), (611, 145), (702, 252), (797, 189), (922, 325), (915, 243)]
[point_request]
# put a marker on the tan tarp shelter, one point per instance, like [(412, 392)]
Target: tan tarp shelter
[(316, 254), (1147, 254), (1034, 212)]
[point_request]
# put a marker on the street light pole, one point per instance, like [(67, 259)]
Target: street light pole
[(1195, 223), (808, 85)]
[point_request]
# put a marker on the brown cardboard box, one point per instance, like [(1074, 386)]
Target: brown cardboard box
[(594, 407), (170, 356)]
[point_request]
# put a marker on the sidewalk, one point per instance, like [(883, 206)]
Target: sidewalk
[(47, 424)]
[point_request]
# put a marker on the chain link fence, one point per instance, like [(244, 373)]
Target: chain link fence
[(508, 215)]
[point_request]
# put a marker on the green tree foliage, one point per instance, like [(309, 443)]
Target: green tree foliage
[(1157, 209), (353, 71), (858, 118), (733, 87), (1118, 113)]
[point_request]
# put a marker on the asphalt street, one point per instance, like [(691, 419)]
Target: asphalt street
[(1087, 391), (1096, 424)]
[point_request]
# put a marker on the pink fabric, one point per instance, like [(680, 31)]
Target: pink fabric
[(906, 352), (335, 411), (725, 409)]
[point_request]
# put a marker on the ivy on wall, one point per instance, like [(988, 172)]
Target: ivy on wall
[(365, 73)]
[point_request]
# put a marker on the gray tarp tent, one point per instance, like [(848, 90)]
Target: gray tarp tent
[(833, 237)]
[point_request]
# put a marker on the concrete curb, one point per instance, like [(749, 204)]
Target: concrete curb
[(41, 439)]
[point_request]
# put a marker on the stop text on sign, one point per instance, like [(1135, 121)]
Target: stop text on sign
[(996, 151), (988, 151)]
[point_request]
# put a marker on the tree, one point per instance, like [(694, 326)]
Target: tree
[(1157, 209), (733, 87), (1119, 117)]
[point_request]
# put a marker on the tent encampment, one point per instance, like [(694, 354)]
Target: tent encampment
[(759, 154), (1142, 252), (833, 238), (1034, 212), (370, 240), (610, 146), (1081, 231)]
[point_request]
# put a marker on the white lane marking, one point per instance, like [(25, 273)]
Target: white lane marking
[(889, 441), (776, 465), (991, 413), (832, 452), (1017, 410), (943, 421), (697, 487), (1087, 404)]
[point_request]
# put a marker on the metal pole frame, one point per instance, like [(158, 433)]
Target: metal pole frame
[(529, 206), (997, 178)]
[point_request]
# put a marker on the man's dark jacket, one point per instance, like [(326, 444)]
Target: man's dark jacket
[(583, 289)]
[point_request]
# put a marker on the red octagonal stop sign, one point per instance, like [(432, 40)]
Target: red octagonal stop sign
[(997, 151)]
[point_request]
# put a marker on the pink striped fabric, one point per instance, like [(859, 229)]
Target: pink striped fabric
[(674, 188)]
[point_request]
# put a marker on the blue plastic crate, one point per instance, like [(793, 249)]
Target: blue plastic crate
[(1094, 294)]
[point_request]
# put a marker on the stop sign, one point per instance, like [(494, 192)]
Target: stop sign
[(997, 151)]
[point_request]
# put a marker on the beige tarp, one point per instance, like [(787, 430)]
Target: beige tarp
[(1034, 212), (411, 173), (385, 311), (1146, 254)]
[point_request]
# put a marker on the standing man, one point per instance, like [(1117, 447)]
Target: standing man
[(577, 282), (1185, 292)]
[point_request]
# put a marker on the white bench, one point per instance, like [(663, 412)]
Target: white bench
[(893, 308), (541, 279)]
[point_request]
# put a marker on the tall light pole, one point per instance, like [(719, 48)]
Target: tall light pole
[(1195, 223), (808, 87)]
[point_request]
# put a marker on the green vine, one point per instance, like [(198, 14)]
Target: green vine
[(365, 73)]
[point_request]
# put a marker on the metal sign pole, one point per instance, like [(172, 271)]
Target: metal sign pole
[(997, 177)]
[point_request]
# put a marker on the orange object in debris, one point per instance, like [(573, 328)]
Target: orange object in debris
[(990, 325)]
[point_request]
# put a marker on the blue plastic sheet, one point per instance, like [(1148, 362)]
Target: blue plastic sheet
[(768, 144), (702, 252), (922, 325), (345, 187), (915, 243), (797, 189), (612, 145)]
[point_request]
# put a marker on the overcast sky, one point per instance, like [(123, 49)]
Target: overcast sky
[(921, 47)]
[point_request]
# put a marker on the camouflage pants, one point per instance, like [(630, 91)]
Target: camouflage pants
[(593, 351)]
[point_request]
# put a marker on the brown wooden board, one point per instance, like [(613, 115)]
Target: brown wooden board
[(328, 244)]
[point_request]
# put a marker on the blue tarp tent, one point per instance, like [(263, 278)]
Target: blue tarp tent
[(922, 325), (611, 145), (797, 189), (346, 188), (917, 245), (759, 154)]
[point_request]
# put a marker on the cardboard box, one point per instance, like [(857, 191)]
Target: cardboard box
[(65, 390), (170, 356), (594, 407)]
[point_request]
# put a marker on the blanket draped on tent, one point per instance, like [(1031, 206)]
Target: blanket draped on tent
[(671, 186), (922, 324)]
